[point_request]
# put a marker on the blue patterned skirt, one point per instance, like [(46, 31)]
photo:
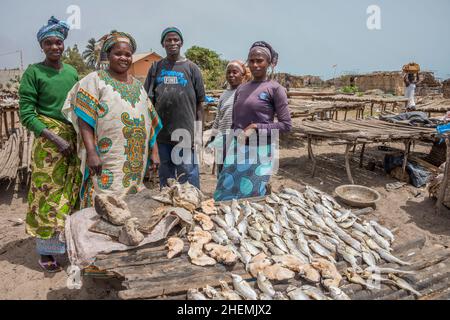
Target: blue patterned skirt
[(246, 172), (50, 247)]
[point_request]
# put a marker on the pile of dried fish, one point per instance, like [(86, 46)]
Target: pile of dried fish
[(293, 234)]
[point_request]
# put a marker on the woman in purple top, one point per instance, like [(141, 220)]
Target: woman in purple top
[(249, 162)]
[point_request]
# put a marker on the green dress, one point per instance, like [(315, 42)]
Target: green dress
[(55, 180)]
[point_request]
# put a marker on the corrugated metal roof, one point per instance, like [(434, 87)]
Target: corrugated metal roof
[(139, 56)]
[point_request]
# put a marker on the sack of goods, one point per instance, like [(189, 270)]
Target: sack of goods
[(411, 67)]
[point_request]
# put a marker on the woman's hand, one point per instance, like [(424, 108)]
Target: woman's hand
[(94, 164), (250, 129), (154, 158), (62, 145)]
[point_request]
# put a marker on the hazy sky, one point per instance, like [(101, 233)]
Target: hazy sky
[(310, 36)]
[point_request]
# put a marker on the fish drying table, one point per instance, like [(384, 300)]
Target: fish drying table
[(146, 273), (384, 103), (302, 108), (363, 132)]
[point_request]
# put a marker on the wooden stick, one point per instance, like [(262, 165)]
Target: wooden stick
[(347, 163)]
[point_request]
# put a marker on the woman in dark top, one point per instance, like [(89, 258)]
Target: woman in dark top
[(250, 158)]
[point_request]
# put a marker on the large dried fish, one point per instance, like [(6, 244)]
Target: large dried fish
[(175, 246), (277, 272), (204, 220), (330, 275), (112, 209), (130, 235), (221, 254), (199, 236)]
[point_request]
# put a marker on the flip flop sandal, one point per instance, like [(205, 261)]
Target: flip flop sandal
[(50, 266)]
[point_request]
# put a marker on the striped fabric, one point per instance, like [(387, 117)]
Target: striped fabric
[(224, 117)]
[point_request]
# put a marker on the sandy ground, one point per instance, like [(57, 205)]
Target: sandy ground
[(408, 211)]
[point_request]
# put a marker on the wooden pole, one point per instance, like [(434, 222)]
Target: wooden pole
[(444, 185), (347, 163), (311, 155), (405, 158)]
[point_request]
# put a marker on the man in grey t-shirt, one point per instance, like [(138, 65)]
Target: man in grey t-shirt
[(175, 86)]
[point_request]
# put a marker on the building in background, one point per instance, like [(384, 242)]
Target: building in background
[(142, 63)]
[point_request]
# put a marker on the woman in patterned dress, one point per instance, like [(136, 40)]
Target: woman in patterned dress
[(116, 123), (55, 179)]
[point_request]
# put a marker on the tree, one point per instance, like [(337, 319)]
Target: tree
[(74, 58), (91, 54), (211, 65)]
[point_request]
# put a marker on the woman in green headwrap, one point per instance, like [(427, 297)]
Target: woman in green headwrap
[(56, 179)]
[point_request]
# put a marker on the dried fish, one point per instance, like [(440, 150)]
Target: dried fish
[(175, 246), (199, 236), (221, 254), (264, 285), (280, 296), (388, 270), (254, 233), (338, 294), (194, 294), (243, 288), (212, 293), (353, 277), (330, 275), (220, 237), (204, 220), (112, 209), (404, 285), (317, 248), (130, 235), (277, 272), (385, 232), (314, 293), (390, 258), (227, 293), (295, 293), (220, 222), (280, 244)]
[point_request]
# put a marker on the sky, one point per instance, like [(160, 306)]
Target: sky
[(310, 36)]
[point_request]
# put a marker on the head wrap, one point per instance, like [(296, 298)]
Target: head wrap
[(54, 28), (243, 68), (268, 50), (169, 30), (239, 64), (115, 37)]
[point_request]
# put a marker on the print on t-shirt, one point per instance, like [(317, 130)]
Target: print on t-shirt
[(171, 77)]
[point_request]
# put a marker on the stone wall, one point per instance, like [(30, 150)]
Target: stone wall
[(389, 82), (298, 81)]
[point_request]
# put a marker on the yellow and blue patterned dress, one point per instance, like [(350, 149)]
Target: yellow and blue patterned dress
[(125, 127)]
